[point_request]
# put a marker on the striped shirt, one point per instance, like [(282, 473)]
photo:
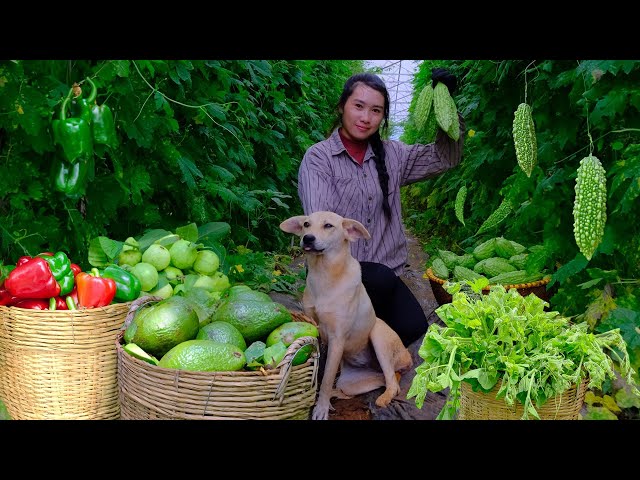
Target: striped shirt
[(329, 179)]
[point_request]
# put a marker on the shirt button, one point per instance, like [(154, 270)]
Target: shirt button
[(368, 220), (370, 198), (365, 175)]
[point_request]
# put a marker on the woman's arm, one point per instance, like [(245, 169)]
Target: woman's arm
[(314, 183)]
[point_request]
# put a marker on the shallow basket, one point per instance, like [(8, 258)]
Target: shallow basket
[(538, 288), (485, 406), (62, 364), (150, 392)]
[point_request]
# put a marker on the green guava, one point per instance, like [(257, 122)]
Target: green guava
[(183, 253), (158, 256), (207, 262), (147, 274)]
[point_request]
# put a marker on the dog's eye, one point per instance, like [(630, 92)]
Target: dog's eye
[(328, 225), (306, 224)]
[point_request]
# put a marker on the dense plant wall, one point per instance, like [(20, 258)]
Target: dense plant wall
[(198, 141), (579, 107)]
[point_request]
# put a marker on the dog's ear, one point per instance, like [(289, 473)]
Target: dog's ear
[(293, 224), (354, 230)]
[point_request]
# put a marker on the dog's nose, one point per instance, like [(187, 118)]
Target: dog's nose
[(308, 239)]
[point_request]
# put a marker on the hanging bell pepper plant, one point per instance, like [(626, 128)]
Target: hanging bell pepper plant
[(72, 178), (102, 124), (73, 134), (81, 107)]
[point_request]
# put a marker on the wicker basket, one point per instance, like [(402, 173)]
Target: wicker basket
[(538, 288), (60, 364), (485, 406), (284, 393)]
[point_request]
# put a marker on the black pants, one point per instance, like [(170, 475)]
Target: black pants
[(393, 302)]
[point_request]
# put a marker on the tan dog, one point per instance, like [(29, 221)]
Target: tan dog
[(364, 348)]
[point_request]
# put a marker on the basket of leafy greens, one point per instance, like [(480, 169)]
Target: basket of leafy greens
[(503, 356)]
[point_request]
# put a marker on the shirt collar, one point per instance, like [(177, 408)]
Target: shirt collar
[(337, 147)]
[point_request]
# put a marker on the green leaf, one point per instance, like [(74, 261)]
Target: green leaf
[(188, 232), (189, 171), (150, 237), (213, 231), (103, 251)]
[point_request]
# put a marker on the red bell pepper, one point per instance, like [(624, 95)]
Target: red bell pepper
[(6, 298), (33, 279), (23, 259), (93, 290), (76, 269), (33, 304)]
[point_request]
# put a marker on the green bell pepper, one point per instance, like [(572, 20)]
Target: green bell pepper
[(73, 134), (103, 126), (72, 178), (128, 286), (81, 107), (60, 266)]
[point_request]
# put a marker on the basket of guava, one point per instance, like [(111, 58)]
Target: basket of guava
[(242, 357), (503, 356)]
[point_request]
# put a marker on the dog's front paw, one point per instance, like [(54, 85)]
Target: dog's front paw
[(388, 395), (321, 411)]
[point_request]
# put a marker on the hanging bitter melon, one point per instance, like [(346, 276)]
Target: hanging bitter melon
[(590, 205), (446, 111), (497, 217), (423, 107), (524, 138)]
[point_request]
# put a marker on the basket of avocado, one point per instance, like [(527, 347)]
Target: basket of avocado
[(245, 357)]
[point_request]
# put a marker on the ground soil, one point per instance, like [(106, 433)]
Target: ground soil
[(362, 407)]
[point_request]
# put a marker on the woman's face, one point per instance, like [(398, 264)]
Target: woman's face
[(362, 113)]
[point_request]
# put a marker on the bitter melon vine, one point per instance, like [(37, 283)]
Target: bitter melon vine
[(590, 205), (524, 138)]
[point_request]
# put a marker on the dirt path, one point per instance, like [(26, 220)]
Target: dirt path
[(362, 407)]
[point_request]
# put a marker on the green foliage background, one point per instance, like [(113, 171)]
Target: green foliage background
[(199, 141), (221, 140), (578, 107)]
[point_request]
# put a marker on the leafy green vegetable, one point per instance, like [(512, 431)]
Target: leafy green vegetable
[(507, 339)]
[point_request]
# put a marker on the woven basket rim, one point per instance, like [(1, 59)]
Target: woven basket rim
[(517, 286)]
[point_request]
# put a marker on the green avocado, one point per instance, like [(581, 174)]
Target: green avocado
[(243, 292), (135, 351), (204, 356), (222, 332), (158, 328), (288, 332), (254, 319)]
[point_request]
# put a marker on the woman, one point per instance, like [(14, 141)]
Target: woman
[(357, 175)]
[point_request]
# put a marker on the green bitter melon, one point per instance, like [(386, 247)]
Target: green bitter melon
[(590, 205), (524, 138)]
